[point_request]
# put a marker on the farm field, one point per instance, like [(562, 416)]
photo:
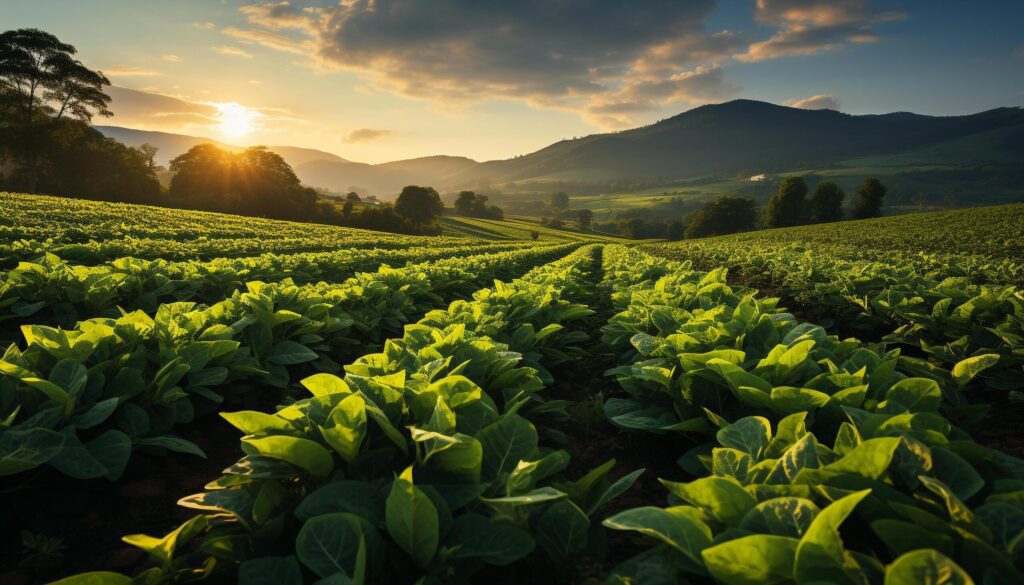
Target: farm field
[(188, 396)]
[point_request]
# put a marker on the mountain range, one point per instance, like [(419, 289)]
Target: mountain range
[(714, 140)]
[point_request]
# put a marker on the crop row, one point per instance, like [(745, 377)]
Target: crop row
[(50, 291), (424, 464), (80, 400), (817, 460), (67, 220), (947, 318)]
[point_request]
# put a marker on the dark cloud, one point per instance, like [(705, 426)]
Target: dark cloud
[(561, 54), (365, 135), (807, 27), (816, 102)]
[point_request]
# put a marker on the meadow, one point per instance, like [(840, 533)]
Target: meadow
[(190, 396)]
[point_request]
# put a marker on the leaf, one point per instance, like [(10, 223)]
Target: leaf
[(252, 422), (925, 567), (270, 571), (917, 394), (493, 542), (162, 549), (95, 578), (325, 384), (346, 427), (965, 370), (820, 556), (750, 435), (561, 529), (757, 559), (97, 413), (330, 543), (677, 527), (618, 487), (24, 449), (506, 442), (171, 443), (289, 353), (301, 453), (722, 499), (785, 516), (412, 520), (357, 497)]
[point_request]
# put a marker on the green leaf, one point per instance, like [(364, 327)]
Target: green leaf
[(493, 542), (326, 384), (163, 549), (750, 435), (357, 497), (722, 499), (917, 394), (820, 556), (171, 443), (925, 567), (97, 413), (412, 520), (330, 544), (24, 449), (679, 527), (346, 427), (301, 453), (95, 578), (252, 422), (965, 370), (758, 559), (506, 442), (270, 571), (785, 516), (289, 353), (562, 529)]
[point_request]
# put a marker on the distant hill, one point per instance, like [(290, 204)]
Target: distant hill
[(720, 140), (171, 145), (742, 135)]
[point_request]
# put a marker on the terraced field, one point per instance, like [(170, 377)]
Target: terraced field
[(465, 410)]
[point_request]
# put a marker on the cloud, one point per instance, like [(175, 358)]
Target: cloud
[(149, 110), (171, 58), (585, 59), (129, 71), (204, 25), (365, 135), (808, 27), (232, 51), (816, 102), (272, 40)]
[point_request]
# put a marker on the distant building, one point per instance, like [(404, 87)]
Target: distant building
[(757, 178)]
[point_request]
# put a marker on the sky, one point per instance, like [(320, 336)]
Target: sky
[(381, 80)]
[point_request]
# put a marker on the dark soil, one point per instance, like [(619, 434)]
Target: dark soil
[(91, 516)]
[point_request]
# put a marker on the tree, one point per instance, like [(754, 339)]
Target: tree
[(47, 85), (420, 205), (725, 215), (788, 207), (346, 209), (255, 181), (149, 151), (470, 204), (827, 203), (534, 235), (353, 197), (869, 199), (676, 230), (585, 218), (559, 200)]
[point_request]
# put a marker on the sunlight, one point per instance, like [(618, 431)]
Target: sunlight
[(235, 120)]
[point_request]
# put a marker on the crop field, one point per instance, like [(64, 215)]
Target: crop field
[(194, 397)]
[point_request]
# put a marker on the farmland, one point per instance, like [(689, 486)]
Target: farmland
[(190, 396)]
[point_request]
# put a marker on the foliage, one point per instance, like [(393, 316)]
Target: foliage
[(827, 203), (788, 207), (725, 215), (471, 204), (869, 199)]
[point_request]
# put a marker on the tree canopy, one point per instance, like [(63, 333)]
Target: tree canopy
[(827, 203), (869, 199), (788, 207), (420, 205), (471, 204), (725, 215)]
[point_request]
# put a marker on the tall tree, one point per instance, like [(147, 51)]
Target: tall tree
[(559, 200), (827, 203), (47, 84), (869, 199), (353, 197), (725, 215), (420, 205), (585, 218), (788, 207)]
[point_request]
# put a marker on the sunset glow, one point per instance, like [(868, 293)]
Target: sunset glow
[(235, 120)]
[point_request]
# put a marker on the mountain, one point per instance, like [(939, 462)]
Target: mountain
[(171, 145), (718, 140), (742, 135)]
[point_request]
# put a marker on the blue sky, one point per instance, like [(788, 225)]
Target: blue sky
[(389, 79)]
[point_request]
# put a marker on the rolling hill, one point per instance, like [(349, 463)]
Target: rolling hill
[(721, 140)]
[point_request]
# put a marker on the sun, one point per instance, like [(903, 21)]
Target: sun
[(235, 120)]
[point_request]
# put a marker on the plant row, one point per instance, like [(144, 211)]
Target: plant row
[(51, 291), (424, 464), (816, 459), (80, 400)]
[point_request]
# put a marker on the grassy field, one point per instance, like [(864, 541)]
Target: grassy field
[(515, 228)]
